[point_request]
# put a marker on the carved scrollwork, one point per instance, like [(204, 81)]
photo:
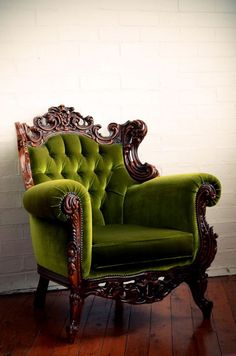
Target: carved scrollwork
[(24, 156), (71, 207), (113, 129), (208, 243), (57, 119), (146, 288), (132, 134), (64, 119)]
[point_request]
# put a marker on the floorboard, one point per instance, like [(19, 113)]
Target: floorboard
[(173, 326), (223, 320), (204, 334), (115, 339), (183, 342), (160, 328)]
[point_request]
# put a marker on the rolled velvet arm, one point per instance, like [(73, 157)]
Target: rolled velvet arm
[(44, 200), (169, 201), (57, 200)]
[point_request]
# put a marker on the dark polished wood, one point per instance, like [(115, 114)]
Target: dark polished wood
[(64, 119), (40, 294), (172, 327), (147, 287)]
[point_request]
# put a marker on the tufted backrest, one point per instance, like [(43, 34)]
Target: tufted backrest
[(99, 167)]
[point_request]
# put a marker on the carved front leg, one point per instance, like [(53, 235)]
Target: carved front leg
[(206, 252), (76, 304), (72, 208), (198, 286)]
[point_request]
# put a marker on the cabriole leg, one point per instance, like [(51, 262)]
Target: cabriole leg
[(76, 304), (40, 294), (198, 288)]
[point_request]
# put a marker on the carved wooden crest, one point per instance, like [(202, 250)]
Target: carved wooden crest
[(62, 119)]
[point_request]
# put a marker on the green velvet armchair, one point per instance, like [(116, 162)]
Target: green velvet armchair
[(103, 223)]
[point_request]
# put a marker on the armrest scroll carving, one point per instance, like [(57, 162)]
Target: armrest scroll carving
[(208, 243), (71, 207)]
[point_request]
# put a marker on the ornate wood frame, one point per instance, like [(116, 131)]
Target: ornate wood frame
[(146, 287)]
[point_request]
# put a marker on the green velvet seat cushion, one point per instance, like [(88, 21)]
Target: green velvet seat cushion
[(134, 245)]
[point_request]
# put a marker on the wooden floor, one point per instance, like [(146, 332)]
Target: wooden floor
[(171, 327)]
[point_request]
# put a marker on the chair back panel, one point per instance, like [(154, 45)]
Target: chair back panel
[(64, 144), (99, 167)]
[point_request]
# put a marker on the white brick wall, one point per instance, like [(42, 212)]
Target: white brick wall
[(170, 62)]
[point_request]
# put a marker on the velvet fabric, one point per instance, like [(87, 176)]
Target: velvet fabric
[(49, 240), (128, 227), (48, 223), (99, 168), (133, 245), (168, 202)]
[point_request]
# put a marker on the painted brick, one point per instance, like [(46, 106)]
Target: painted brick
[(194, 19), (160, 5), (78, 33), (140, 50), (139, 18), (11, 232), (197, 6), (197, 34), (222, 214), (149, 53), (160, 34), (99, 49), (26, 231), (214, 79), (29, 263), (12, 282), (227, 242), (100, 82), (218, 271), (107, 58), (178, 19), (226, 258), (225, 227), (13, 216), (225, 35), (201, 19), (226, 94), (31, 279), (218, 110), (13, 50), (216, 49), (170, 49), (119, 33), (198, 96), (9, 167), (143, 81), (11, 183), (8, 68), (18, 16), (25, 34), (11, 264), (225, 5), (10, 200), (208, 64), (228, 199), (16, 248), (217, 20), (45, 17)]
